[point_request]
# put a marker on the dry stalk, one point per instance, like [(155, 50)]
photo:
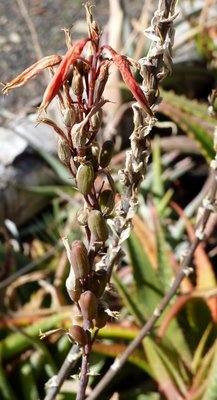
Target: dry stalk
[(208, 207)]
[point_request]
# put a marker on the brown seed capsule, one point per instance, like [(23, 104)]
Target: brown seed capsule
[(106, 153), (85, 178), (77, 320), (97, 226), (79, 259), (74, 288), (102, 79), (107, 201), (77, 83), (78, 334), (99, 280), (102, 316), (88, 303), (63, 150)]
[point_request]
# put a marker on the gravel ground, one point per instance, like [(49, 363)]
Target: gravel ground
[(49, 17)]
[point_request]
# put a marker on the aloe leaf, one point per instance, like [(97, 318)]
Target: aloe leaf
[(200, 348), (193, 107), (198, 318), (211, 379), (16, 343), (200, 376), (46, 190), (27, 383), (169, 358), (162, 375), (191, 121), (174, 335), (134, 395), (115, 349), (149, 291), (157, 183), (148, 287), (6, 392), (164, 266), (128, 299), (56, 165), (114, 331)]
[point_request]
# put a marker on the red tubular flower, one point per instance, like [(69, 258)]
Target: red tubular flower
[(124, 67), (62, 72), (32, 71)]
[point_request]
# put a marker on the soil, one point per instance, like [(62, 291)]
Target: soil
[(48, 17)]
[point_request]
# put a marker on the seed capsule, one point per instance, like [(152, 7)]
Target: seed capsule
[(88, 303), (79, 259), (106, 153), (85, 178), (69, 117), (82, 216), (74, 287), (96, 120), (107, 201), (77, 83), (63, 150), (102, 316), (99, 280), (78, 334), (97, 226)]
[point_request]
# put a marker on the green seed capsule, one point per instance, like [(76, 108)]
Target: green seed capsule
[(96, 121), (107, 201), (78, 334), (82, 216), (63, 150), (97, 226), (69, 117), (106, 153), (85, 178)]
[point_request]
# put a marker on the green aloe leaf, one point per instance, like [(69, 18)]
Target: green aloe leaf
[(211, 379), (148, 286), (164, 266), (6, 392), (170, 360), (130, 301), (16, 343), (162, 374), (157, 183), (115, 349), (47, 190), (27, 382), (192, 119), (203, 371), (150, 292)]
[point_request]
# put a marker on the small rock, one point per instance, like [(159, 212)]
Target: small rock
[(3, 40), (14, 37)]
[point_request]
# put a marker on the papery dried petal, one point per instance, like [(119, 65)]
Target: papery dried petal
[(32, 71), (61, 74), (124, 67)]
